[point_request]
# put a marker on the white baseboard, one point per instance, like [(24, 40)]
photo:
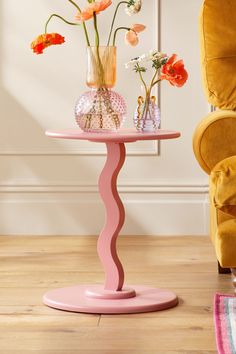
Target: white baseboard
[(68, 210)]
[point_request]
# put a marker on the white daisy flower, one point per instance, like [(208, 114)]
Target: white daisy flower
[(133, 7), (143, 57), (133, 62)]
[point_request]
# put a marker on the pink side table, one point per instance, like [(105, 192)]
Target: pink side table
[(112, 297)]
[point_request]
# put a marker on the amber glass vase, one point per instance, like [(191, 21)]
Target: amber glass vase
[(100, 109), (101, 67)]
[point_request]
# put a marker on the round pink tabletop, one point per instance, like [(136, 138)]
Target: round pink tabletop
[(121, 136)]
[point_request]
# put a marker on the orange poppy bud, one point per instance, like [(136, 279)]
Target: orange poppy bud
[(46, 40)]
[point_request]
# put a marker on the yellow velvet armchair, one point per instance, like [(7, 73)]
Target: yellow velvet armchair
[(214, 140)]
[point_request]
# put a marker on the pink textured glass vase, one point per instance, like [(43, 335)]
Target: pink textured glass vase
[(147, 115), (101, 109)]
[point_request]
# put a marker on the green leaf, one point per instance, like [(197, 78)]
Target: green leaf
[(140, 69)]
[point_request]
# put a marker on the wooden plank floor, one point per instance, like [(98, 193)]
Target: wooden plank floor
[(29, 266)]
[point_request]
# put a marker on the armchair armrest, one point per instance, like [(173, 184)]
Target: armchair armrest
[(215, 139)]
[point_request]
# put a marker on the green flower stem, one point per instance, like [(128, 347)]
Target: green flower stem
[(153, 83), (61, 18), (142, 79), (156, 82), (97, 43), (116, 31), (114, 18), (153, 79), (97, 40), (147, 91), (77, 6), (84, 25)]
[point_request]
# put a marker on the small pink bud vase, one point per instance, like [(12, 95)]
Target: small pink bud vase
[(147, 115), (101, 109)]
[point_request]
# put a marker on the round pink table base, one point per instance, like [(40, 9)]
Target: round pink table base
[(98, 292), (74, 299)]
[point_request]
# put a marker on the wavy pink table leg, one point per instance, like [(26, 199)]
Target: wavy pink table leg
[(115, 217), (112, 297)]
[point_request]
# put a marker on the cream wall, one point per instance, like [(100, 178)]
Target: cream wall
[(50, 187)]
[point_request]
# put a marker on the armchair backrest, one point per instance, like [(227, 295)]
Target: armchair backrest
[(218, 52)]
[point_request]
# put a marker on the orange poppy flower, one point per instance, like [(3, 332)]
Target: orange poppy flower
[(131, 36), (93, 8), (174, 72), (46, 40)]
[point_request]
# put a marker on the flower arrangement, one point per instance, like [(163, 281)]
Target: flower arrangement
[(103, 109), (91, 12), (165, 68), (100, 109)]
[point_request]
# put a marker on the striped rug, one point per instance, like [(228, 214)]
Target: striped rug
[(225, 323)]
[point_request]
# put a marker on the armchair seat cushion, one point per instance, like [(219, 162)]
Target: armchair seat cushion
[(223, 186)]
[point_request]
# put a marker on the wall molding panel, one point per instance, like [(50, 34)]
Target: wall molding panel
[(131, 187), (151, 149), (68, 212)]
